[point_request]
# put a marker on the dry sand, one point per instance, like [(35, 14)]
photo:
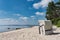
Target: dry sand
[(28, 34)]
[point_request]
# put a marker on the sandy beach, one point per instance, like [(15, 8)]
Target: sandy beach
[(29, 34)]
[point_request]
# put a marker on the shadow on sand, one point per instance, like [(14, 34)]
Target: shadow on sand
[(55, 33)]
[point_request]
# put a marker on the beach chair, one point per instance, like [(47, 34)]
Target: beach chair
[(45, 27)]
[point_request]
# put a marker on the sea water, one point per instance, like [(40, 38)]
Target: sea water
[(10, 28)]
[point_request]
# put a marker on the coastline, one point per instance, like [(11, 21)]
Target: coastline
[(27, 34)]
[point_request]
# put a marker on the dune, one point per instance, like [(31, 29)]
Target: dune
[(27, 34)]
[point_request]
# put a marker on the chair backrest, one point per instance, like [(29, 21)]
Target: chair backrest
[(47, 24)]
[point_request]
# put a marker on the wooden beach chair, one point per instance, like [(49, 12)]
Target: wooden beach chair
[(45, 27)]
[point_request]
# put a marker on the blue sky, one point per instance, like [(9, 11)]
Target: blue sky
[(22, 11)]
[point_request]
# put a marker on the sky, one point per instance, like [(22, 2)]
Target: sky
[(22, 12)]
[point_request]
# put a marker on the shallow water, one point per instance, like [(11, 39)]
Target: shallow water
[(10, 28)]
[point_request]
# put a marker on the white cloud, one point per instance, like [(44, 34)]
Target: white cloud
[(17, 15), (24, 18), (43, 3), (28, 20), (8, 21), (39, 13), (36, 5), (32, 16), (20, 21), (30, 0)]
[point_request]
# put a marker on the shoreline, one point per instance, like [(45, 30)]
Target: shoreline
[(28, 34)]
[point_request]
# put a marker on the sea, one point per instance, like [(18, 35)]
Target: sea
[(6, 28)]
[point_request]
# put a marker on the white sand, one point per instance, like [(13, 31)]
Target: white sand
[(28, 34)]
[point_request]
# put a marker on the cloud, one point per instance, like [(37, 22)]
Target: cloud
[(8, 21), (17, 14), (36, 5), (42, 3), (39, 13), (32, 16), (29, 20), (11, 21), (20, 21), (30, 0), (24, 18)]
